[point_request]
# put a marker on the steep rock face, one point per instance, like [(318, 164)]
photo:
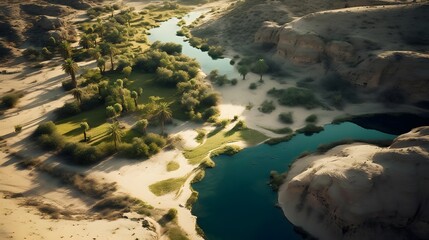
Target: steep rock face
[(361, 191), (379, 56)]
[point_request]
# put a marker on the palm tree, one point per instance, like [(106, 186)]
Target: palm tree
[(101, 64), (109, 49), (85, 127), (70, 67), (77, 94), (65, 49), (85, 41), (243, 70), (260, 68), (112, 52), (163, 113), (134, 96), (115, 133)]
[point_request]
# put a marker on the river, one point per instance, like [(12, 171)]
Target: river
[(235, 201)]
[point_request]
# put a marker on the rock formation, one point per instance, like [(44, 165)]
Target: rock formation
[(354, 43), (362, 191)]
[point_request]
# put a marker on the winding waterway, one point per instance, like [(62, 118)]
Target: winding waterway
[(234, 199)]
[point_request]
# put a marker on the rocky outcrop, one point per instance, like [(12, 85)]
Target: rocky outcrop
[(361, 191), (50, 10), (49, 23)]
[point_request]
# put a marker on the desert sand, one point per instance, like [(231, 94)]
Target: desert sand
[(43, 94)]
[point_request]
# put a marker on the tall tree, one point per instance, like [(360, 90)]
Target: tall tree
[(77, 94), (116, 133), (260, 67), (101, 64), (65, 49), (243, 70), (163, 113), (85, 127), (134, 95), (70, 67), (109, 50)]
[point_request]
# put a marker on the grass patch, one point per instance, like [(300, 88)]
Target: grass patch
[(96, 119), (274, 141), (167, 186), (152, 88), (172, 166), (198, 154)]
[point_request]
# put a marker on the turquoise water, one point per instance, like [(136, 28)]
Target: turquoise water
[(167, 33), (235, 201)]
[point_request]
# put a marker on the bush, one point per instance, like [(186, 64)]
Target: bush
[(310, 129), (52, 141), (68, 109), (311, 119), (227, 150), (45, 128), (234, 82), (127, 70), (84, 154), (171, 214), (286, 117), (18, 128), (296, 97), (67, 85), (10, 100), (240, 125), (155, 138), (253, 86), (215, 51), (267, 107), (211, 112), (141, 126), (137, 149)]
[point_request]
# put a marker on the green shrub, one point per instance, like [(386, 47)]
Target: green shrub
[(18, 128), (157, 139), (286, 117), (141, 126), (253, 86), (68, 109), (227, 150), (67, 85), (211, 112), (240, 125), (296, 97), (137, 149), (215, 51), (311, 119), (45, 128), (52, 141), (171, 214), (267, 107), (10, 100)]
